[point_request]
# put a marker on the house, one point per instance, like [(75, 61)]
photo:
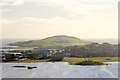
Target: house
[(59, 51), (76, 55), (12, 56), (93, 48), (2, 57), (44, 49), (18, 55), (32, 55), (57, 57), (66, 54), (1, 51), (38, 55), (35, 48), (25, 54)]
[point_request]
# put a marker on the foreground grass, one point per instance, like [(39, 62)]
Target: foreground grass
[(71, 60), (28, 61)]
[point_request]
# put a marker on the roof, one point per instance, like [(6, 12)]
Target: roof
[(13, 53), (2, 55)]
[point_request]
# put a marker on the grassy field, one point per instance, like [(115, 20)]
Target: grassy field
[(29, 61), (71, 60), (54, 42)]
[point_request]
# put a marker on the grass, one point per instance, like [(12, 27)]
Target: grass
[(71, 60), (104, 59), (28, 61), (54, 42)]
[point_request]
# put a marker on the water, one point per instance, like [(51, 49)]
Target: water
[(100, 41), (7, 41), (59, 70)]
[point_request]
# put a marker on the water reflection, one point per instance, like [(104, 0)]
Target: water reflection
[(59, 70)]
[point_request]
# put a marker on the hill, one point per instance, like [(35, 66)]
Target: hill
[(53, 42)]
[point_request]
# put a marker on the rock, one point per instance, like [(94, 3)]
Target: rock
[(20, 66), (91, 63), (31, 67)]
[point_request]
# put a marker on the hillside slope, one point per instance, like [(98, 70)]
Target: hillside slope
[(52, 42)]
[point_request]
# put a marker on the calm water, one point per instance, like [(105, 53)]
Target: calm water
[(59, 70), (7, 41)]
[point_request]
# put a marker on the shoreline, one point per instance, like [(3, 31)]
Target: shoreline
[(71, 60)]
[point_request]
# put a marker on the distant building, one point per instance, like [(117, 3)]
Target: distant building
[(57, 57), (93, 48), (2, 57), (66, 54), (12, 56), (44, 49)]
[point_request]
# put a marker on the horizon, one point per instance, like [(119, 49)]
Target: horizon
[(63, 35), (100, 41)]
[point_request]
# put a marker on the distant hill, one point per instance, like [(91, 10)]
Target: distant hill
[(53, 42)]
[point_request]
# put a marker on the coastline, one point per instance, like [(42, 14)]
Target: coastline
[(71, 60)]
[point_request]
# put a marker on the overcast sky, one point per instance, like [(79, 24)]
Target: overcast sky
[(85, 19)]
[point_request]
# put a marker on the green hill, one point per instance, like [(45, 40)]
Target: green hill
[(52, 42)]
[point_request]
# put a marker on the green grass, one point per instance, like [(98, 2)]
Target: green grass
[(28, 61), (52, 42), (71, 60)]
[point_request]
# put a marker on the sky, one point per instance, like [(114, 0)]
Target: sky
[(85, 19)]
